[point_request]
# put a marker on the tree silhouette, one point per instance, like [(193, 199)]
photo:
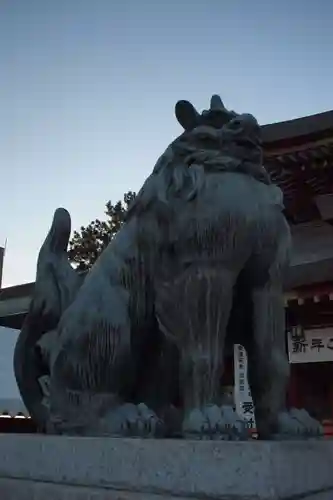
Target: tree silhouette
[(89, 242)]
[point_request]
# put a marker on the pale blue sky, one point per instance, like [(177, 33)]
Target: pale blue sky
[(88, 88)]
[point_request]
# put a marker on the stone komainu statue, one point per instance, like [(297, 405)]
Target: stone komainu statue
[(197, 265)]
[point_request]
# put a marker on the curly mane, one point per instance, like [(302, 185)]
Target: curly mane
[(180, 172)]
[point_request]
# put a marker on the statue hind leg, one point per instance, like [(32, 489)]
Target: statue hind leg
[(94, 374), (101, 342)]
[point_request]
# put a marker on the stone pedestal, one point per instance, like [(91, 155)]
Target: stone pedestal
[(38, 467)]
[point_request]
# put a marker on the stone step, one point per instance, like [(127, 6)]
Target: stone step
[(37, 467)]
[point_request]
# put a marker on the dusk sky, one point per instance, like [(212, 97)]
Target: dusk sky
[(88, 88)]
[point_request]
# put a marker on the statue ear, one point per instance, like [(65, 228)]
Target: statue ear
[(216, 103), (187, 115)]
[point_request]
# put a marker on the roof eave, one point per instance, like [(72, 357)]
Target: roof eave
[(305, 129)]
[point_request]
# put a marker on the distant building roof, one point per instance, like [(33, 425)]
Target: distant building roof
[(14, 304), (17, 291)]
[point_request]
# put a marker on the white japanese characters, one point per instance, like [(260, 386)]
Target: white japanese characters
[(310, 346), (243, 399)]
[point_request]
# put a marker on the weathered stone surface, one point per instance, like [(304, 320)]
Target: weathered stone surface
[(38, 467)]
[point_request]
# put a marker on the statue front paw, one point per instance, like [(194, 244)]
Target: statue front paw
[(129, 420), (214, 422), (298, 424)]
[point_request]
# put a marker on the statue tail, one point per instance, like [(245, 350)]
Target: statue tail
[(55, 288)]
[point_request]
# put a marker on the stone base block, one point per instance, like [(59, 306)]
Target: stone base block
[(38, 467)]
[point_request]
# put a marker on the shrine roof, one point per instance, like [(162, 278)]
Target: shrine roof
[(297, 131), (299, 157)]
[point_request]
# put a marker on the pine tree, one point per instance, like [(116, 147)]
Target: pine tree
[(89, 242)]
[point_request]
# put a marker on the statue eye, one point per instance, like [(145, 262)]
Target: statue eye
[(236, 123)]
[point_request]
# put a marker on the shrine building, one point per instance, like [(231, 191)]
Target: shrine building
[(299, 157)]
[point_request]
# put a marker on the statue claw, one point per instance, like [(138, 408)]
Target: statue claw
[(129, 420), (216, 423), (297, 424)]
